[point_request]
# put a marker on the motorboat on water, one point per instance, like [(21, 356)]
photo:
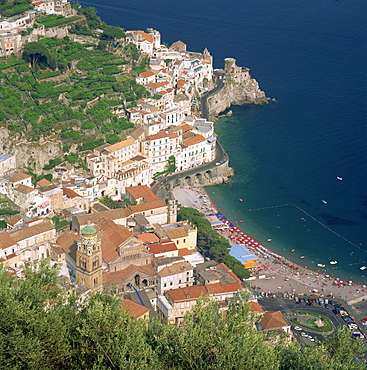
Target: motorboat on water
[(241, 200), (323, 201), (339, 178), (333, 262), (293, 250), (320, 265), (269, 240), (302, 257), (363, 268)]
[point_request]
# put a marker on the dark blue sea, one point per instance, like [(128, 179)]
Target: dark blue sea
[(311, 57)]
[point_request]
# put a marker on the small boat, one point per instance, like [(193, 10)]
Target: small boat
[(324, 201), (333, 262), (269, 240), (241, 200), (339, 178), (302, 257), (293, 250), (363, 268), (240, 221), (320, 265)]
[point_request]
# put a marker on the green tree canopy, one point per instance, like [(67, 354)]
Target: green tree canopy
[(35, 51)]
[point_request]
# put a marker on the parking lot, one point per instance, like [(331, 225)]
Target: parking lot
[(335, 313)]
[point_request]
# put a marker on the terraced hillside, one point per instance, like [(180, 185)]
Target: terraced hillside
[(67, 92)]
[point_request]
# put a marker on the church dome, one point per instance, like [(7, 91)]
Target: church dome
[(89, 230)]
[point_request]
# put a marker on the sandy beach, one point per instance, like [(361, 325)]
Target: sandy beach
[(272, 276)]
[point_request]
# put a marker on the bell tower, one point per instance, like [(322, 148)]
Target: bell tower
[(89, 259), (172, 209)]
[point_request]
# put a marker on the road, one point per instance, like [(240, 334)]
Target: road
[(288, 307), (220, 79), (220, 155)]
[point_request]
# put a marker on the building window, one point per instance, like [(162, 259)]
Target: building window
[(180, 281), (95, 262), (82, 263), (187, 279), (170, 283), (164, 285)]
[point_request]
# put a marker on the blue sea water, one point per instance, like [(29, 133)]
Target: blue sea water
[(311, 57)]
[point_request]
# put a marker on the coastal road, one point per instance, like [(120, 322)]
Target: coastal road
[(220, 155), (220, 80)]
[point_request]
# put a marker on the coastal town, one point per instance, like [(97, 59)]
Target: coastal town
[(114, 226)]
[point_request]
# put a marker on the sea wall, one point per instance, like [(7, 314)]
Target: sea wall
[(239, 89)]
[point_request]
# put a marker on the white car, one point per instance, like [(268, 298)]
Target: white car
[(297, 328)]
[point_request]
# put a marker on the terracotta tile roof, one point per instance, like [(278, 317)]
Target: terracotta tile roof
[(28, 232), (162, 247), (176, 268), (146, 74), (230, 272), (156, 85), (37, 3), (70, 193), (6, 241), (134, 309), (19, 176), (25, 189), (112, 214), (160, 135), (146, 36), (184, 252), (121, 144), (172, 135), (148, 206), (185, 127), (177, 232), (194, 140), (272, 320), (255, 307), (217, 288), (189, 293), (13, 220), (148, 238), (116, 277), (44, 182), (112, 236), (142, 191), (181, 82), (137, 133), (67, 241)]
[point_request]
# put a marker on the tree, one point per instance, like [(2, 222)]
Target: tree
[(35, 51), (112, 33)]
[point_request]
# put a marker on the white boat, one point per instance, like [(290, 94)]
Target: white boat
[(324, 201), (333, 262), (320, 265), (339, 178), (363, 268)]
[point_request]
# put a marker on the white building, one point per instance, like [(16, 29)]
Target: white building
[(7, 163)]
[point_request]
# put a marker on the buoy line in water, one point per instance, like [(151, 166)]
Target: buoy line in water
[(328, 228), (313, 218)]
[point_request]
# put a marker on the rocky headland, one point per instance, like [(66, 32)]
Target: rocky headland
[(239, 89)]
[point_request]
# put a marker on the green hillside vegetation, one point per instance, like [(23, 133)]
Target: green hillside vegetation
[(42, 95), (11, 8), (53, 20), (43, 327), (211, 243)]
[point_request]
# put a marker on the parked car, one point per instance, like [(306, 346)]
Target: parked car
[(347, 319)]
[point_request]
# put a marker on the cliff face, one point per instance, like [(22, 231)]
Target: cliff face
[(239, 89), (30, 155)]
